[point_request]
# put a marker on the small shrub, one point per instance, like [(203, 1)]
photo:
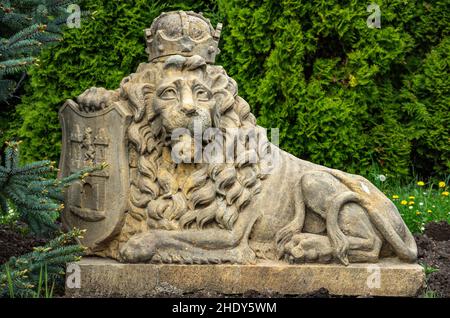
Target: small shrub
[(34, 274), (30, 191)]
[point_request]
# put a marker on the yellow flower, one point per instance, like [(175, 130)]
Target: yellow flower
[(420, 183), (404, 202), (352, 81), (411, 203), (442, 184), (395, 196), (412, 197), (418, 213), (429, 211), (445, 193)]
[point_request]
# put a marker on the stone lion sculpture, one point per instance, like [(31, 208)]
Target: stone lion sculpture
[(263, 203)]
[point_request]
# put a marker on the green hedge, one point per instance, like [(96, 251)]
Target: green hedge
[(108, 46), (343, 95)]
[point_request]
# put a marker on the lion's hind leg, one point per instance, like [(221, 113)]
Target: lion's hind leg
[(363, 240), (350, 234), (307, 247)]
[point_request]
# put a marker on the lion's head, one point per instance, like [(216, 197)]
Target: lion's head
[(176, 93), (185, 94)]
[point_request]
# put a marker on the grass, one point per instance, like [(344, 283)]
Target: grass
[(43, 288), (431, 294), (419, 205), (428, 293), (10, 282), (429, 269), (43, 284), (418, 202)]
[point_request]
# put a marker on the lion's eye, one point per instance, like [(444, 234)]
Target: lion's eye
[(202, 95), (168, 93)]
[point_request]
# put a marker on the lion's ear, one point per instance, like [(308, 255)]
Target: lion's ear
[(139, 97)]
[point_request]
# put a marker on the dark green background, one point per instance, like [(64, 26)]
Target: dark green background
[(293, 61)]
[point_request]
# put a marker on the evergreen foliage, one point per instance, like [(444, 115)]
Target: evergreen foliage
[(343, 94), (23, 276), (27, 188), (26, 25), (108, 46)]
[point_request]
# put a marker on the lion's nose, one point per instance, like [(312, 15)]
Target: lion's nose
[(188, 108)]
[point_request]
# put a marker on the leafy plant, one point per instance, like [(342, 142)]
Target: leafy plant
[(429, 269), (420, 203), (428, 293), (28, 188), (431, 294), (343, 94), (30, 275), (26, 26), (65, 71)]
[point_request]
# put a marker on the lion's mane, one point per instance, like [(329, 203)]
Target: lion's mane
[(214, 193)]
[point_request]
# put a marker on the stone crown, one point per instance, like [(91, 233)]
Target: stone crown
[(183, 33)]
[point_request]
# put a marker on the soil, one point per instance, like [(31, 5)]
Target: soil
[(438, 231), (434, 250), (14, 243), (321, 293)]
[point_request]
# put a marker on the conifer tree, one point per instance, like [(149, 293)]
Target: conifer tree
[(29, 191), (25, 27), (35, 274)]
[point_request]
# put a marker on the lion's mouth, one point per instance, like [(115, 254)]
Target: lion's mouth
[(199, 122)]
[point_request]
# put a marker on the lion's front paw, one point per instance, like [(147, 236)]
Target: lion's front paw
[(306, 247), (139, 248), (95, 99)]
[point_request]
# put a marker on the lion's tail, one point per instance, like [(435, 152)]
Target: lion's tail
[(406, 249), (338, 239)]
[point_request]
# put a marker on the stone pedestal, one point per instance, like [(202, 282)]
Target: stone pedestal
[(103, 277)]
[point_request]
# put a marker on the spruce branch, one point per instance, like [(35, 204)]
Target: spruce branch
[(15, 66), (26, 27), (21, 274), (32, 191)]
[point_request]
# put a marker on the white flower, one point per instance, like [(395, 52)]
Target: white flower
[(424, 193), (420, 203), (411, 207), (382, 177)]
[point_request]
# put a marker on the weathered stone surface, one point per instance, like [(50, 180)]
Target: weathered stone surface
[(193, 179), (105, 277), (98, 202)]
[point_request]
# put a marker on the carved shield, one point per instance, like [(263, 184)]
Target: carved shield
[(98, 203)]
